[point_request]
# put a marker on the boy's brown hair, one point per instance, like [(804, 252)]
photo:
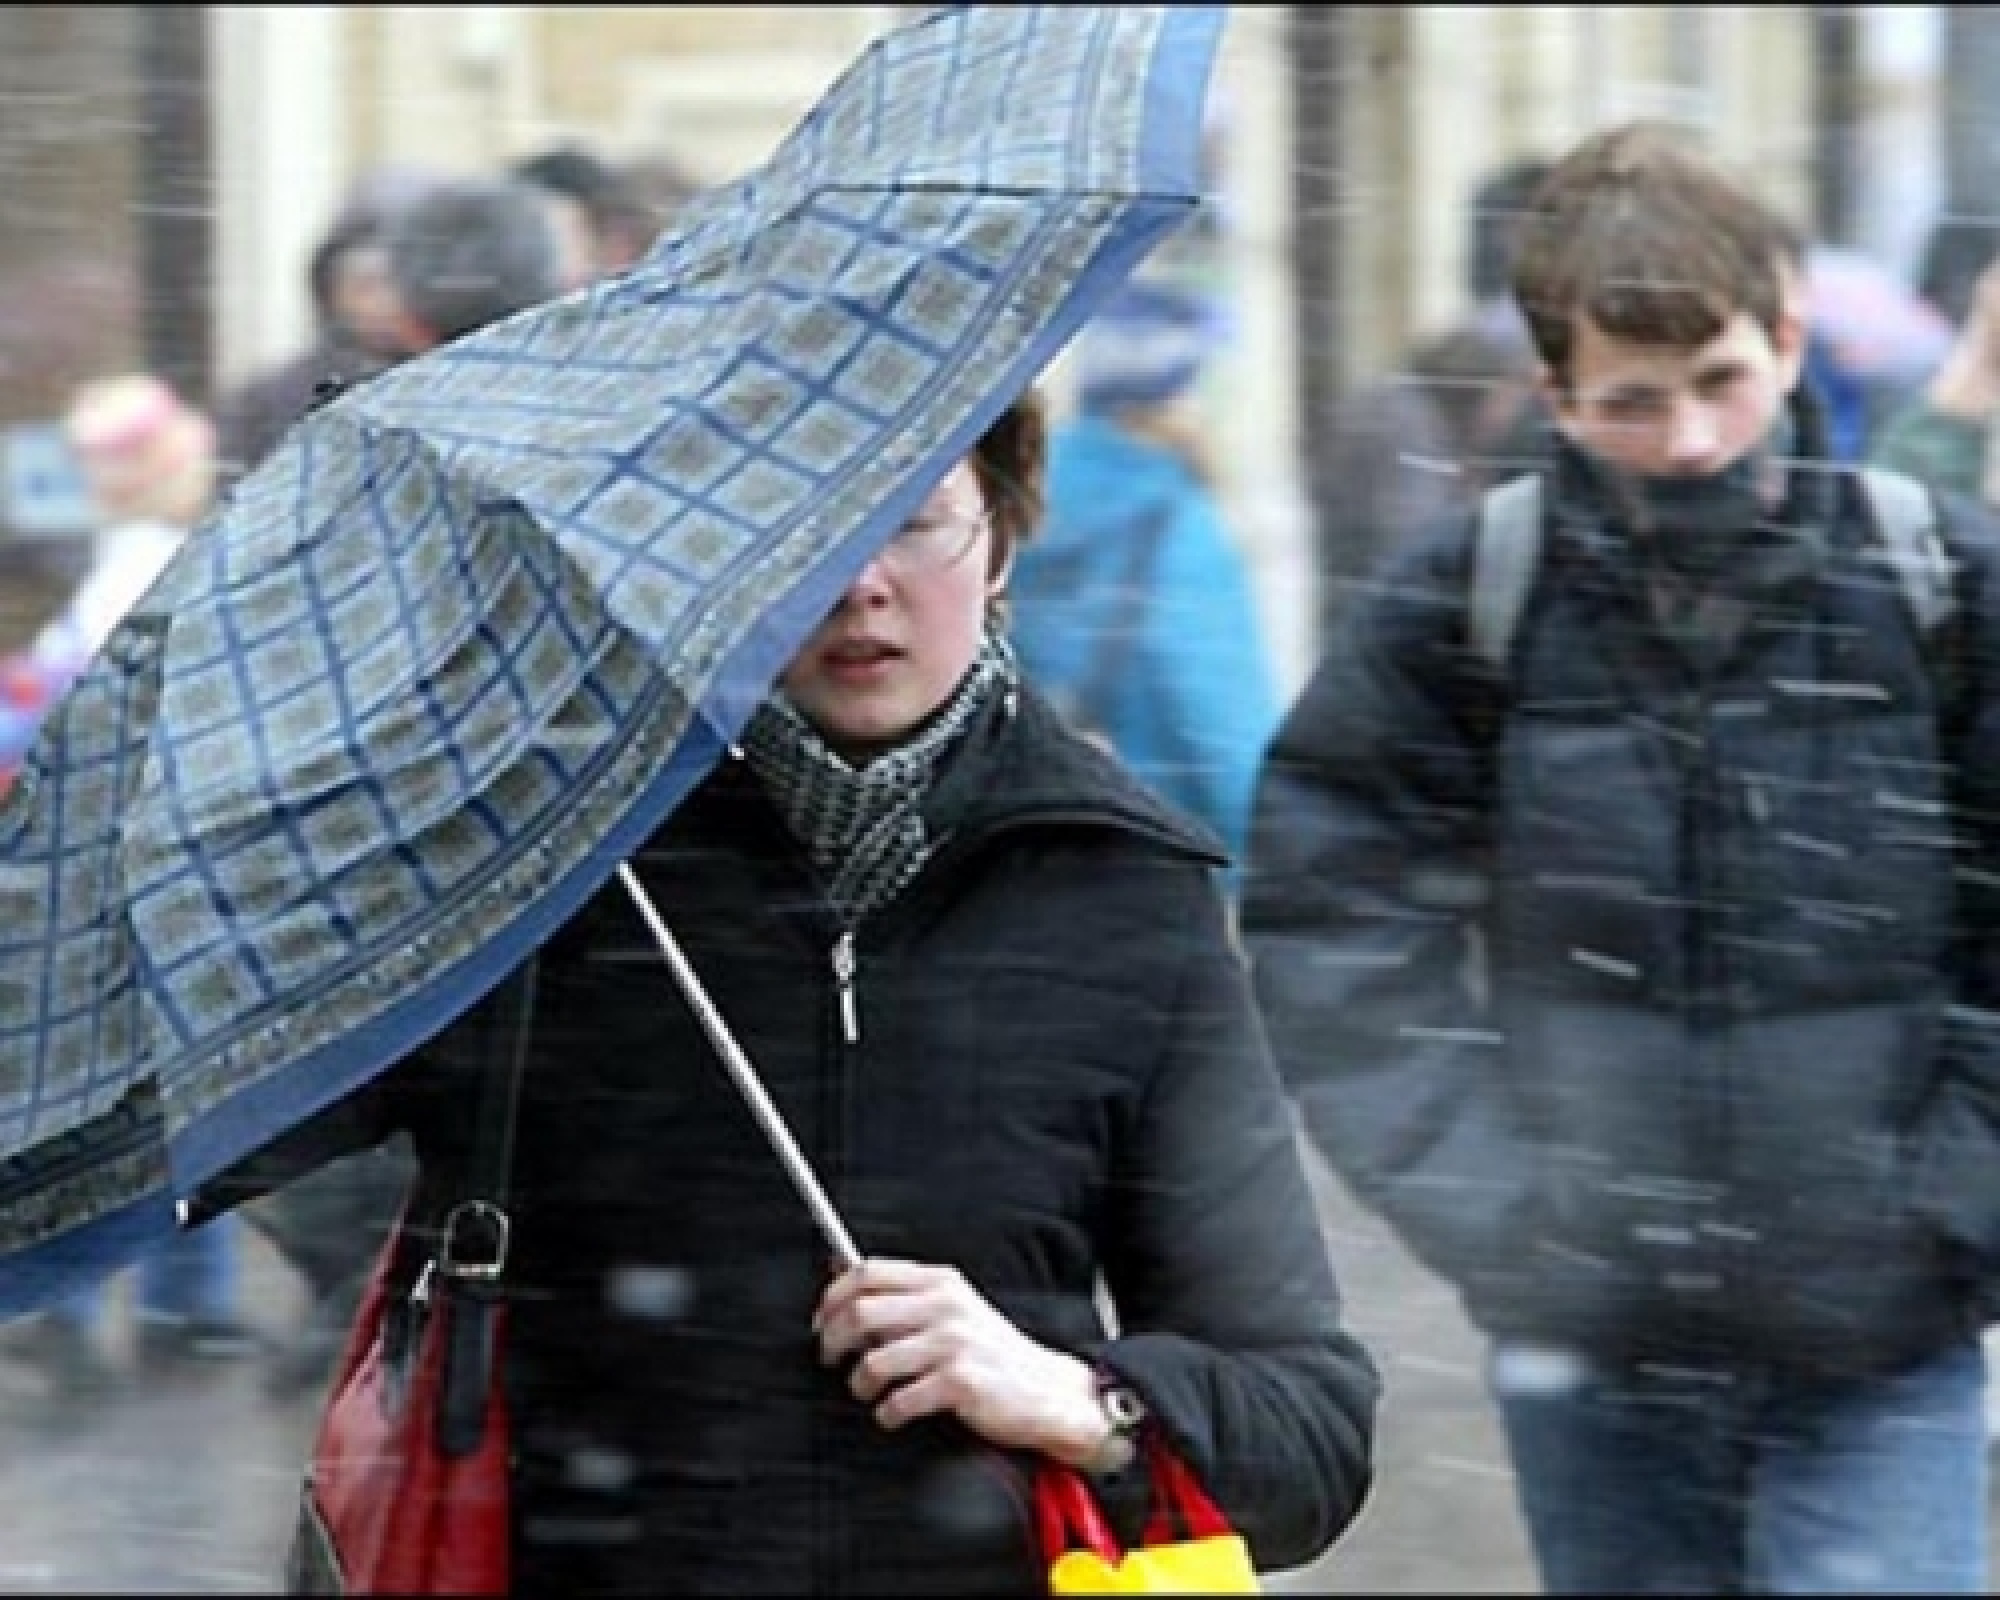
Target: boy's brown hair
[(1640, 232)]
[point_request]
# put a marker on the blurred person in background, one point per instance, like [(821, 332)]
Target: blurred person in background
[(1946, 435), (1501, 201), (663, 188), (612, 213), (1134, 610), (148, 459), (461, 254), (1460, 413), (1956, 251), (470, 251), (357, 328), (1612, 964), (1874, 343)]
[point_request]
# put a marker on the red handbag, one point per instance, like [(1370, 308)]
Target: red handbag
[(407, 1491)]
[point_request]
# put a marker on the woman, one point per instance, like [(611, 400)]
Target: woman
[(986, 979)]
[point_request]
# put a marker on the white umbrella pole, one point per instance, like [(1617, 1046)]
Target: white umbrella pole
[(752, 1087)]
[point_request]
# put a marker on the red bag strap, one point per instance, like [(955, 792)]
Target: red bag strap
[(1181, 1507), (1068, 1517)]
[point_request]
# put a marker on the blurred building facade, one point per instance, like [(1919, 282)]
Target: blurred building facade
[(1344, 161)]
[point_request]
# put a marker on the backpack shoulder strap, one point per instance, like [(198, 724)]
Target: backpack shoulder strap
[(1506, 549), (1905, 518)]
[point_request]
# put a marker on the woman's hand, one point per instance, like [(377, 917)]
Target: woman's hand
[(923, 1342)]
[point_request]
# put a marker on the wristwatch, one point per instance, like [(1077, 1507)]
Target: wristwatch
[(1125, 1413)]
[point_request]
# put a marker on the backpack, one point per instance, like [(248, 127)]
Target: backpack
[(1508, 543)]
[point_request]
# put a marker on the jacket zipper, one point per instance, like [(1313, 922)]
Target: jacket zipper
[(843, 980), (836, 1108)]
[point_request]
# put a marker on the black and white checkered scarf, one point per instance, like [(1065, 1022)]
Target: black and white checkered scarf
[(864, 829)]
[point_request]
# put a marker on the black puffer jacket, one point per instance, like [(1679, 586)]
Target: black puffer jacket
[(1736, 1091), (1049, 1064)]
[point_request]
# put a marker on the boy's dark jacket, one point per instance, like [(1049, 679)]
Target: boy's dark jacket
[(1736, 1091), (1055, 1042)]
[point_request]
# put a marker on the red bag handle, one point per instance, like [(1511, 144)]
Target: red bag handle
[(1068, 1515), (1178, 1494)]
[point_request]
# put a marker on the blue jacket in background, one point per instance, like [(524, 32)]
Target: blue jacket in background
[(1134, 549)]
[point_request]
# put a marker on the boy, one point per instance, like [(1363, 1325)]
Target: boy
[(1641, 976)]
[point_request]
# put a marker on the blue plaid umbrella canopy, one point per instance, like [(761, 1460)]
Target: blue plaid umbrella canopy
[(409, 697)]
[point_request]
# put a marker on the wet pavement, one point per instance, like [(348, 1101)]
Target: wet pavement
[(1442, 1518), (177, 1482)]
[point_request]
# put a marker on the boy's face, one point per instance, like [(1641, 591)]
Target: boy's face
[(1666, 411)]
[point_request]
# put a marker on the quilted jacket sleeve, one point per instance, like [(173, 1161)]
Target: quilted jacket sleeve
[(1230, 1318), (1369, 862), (1958, 1135)]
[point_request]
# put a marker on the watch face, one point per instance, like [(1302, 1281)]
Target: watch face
[(1124, 1407)]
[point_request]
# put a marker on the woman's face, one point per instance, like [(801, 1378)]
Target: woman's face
[(907, 629)]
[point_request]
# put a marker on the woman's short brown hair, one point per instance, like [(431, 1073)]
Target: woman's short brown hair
[(1638, 231), (1011, 463)]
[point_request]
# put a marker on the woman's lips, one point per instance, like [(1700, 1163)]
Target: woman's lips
[(860, 659), (860, 652)]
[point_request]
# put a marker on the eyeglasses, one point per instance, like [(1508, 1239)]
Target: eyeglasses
[(930, 543)]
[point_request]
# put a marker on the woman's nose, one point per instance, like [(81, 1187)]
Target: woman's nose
[(872, 583)]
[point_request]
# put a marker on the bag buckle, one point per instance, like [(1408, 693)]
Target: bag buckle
[(472, 1247)]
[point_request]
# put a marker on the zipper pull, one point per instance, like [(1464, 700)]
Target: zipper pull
[(843, 976)]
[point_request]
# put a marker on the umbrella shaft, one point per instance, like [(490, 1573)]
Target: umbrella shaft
[(747, 1082)]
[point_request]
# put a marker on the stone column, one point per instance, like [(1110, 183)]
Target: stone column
[(279, 138)]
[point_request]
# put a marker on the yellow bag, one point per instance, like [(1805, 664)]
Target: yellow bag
[(1188, 1546)]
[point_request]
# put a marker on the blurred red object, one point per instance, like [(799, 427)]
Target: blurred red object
[(25, 684), (29, 686)]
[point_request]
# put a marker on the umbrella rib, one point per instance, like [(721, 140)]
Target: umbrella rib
[(797, 1168)]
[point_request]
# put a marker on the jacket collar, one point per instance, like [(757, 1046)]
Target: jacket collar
[(1810, 495), (1020, 765), (1792, 546)]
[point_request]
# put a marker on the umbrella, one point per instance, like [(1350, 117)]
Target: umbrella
[(434, 669)]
